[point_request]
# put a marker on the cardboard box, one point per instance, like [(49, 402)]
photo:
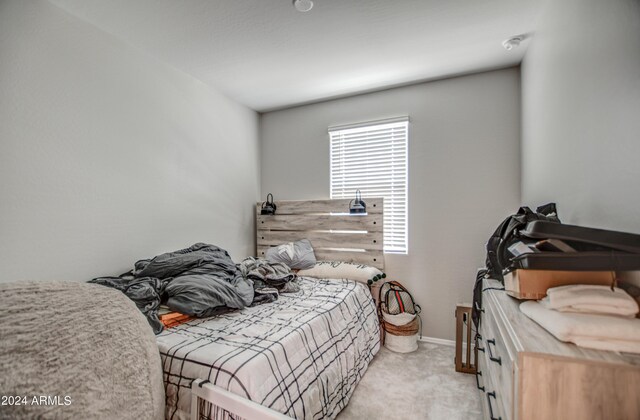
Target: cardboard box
[(533, 284), (629, 281)]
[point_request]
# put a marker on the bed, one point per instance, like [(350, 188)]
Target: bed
[(298, 357)]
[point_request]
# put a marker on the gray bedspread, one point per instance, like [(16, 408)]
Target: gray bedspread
[(76, 351), (200, 281)]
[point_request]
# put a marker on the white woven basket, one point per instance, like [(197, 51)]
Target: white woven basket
[(398, 340), (401, 343)]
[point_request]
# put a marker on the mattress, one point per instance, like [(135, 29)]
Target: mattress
[(302, 355)]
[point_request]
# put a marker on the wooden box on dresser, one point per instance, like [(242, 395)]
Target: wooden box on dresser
[(525, 373)]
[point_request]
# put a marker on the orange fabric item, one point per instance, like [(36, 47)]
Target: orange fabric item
[(173, 319)]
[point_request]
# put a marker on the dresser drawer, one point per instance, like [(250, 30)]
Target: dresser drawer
[(491, 398), (498, 360), (481, 383)]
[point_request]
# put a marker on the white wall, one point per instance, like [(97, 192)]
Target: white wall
[(581, 113), (108, 156), (464, 174)]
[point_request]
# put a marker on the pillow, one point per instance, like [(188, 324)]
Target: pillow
[(296, 255), (343, 270)]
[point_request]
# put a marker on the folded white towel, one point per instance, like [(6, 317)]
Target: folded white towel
[(586, 298), (602, 332)]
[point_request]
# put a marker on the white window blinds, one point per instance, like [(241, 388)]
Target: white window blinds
[(372, 157)]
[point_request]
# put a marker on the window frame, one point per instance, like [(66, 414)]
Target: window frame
[(398, 161)]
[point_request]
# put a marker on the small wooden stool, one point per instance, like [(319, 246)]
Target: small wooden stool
[(464, 334)]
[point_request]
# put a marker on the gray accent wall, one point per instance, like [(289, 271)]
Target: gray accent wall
[(464, 174), (581, 113), (108, 155)]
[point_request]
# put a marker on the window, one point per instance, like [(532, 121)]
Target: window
[(372, 157)]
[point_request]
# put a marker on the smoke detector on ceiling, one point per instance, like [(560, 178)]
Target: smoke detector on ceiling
[(511, 43), (303, 5)]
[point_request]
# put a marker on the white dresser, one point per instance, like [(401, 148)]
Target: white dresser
[(525, 373)]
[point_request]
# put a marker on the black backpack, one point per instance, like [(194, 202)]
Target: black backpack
[(498, 255)]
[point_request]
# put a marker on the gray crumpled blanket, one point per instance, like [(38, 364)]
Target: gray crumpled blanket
[(147, 293), (269, 279), (200, 281)]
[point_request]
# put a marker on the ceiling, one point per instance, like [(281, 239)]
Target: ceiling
[(266, 55)]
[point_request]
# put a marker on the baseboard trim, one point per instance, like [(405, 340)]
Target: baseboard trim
[(434, 340)]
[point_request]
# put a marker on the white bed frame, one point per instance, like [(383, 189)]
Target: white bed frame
[(209, 401), (335, 235)]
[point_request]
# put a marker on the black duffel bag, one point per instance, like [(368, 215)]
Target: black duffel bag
[(498, 256)]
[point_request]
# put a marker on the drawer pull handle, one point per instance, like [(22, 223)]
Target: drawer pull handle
[(478, 341), (498, 359), (481, 388), (489, 395)]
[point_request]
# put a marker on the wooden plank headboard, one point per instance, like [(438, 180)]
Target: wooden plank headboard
[(335, 234)]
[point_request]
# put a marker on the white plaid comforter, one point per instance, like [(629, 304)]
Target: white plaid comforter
[(301, 355)]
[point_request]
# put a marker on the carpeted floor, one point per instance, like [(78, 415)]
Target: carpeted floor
[(419, 385)]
